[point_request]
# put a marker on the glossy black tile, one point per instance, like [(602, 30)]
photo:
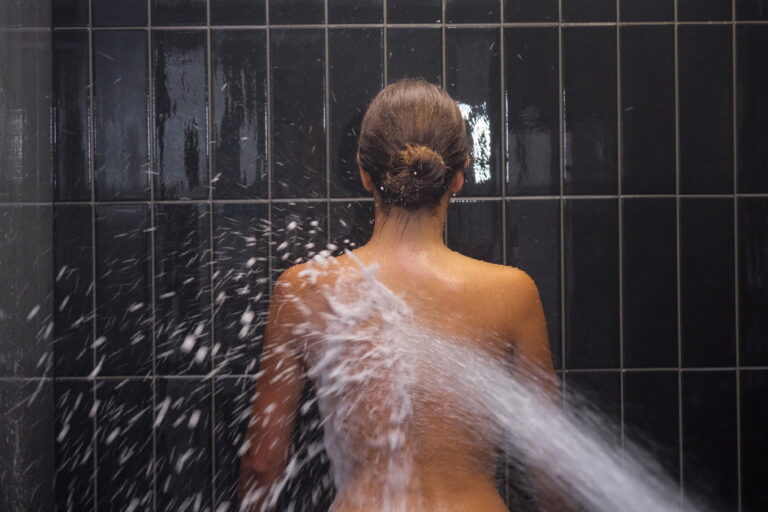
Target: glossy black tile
[(180, 88), (120, 86), (238, 12), (178, 12), (541, 11), (706, 113), (589, 117), (753, 294), (648, 109), (71, 93), (647, 10), (704, 10), (72, 290), (473, 78), (651, 416), (70, 13), (752, 10), (709, 438), (298, 232), (414, 52), (123, 319), (359, 53), (752, 108), (599, 393), (182, 289), (413, 11), (650, 283), (707, 282), (532, 104), (298, 124), (183, 433), (353, 11), (296, 11), (74, 445), (239, 114), (241, 285), (479, 11), (119, 13), (351, 224), (124, 444), (533, 245), (754, 443), (591, 265), (474, 229), (589, 10)]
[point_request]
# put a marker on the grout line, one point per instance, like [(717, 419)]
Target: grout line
[(385, 37), (270, 157), (561, 124), (444, 80), (328, 121), (620, 222), (737, 338)]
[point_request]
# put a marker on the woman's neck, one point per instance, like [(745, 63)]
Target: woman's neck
[(400, 229)]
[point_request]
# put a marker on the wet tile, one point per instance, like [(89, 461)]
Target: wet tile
[(707, 282), (597, 393), (414, 52), (119, 13), (353, 52), (121, 154), (647, 10), (649, 283), (473, 78), (648, 109), (70, 13), (706, 112), (74, 445), (178, 12), (651, 416), (704, 10), (351, 224), (123, 318), (752, 10), (353, 11), (181, 141), (239, 114), (183, 432), (413, 11), (474, 229), (299, 231), (71, 93), (238, 12), (532, 104), (296, 11), (124, 444), (709, 438), (480, 11), (589, 10), (589, 80), (241, 285), (182, 289), (752, 109), (298, 138), (73, 290), (541, 11), (591, 254), (754, 444), (533, 245), (753, 293)]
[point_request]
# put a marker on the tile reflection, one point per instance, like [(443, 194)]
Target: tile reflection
[(415, 52)]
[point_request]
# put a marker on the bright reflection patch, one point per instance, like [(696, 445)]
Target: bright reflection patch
[(480, 131)]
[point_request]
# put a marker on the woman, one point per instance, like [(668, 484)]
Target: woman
[(412, 156)]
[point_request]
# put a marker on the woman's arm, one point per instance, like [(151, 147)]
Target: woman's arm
[(278, 388)]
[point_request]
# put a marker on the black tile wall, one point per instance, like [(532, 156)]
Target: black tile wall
[(413, 11), (352, 11), (753, 293), (752, 10), (704, 10), (296, 11), (238, 12), (752, 107), (647, 10), (481, 11), (74, 445), (754, 422), (589, 10), (474, 229), (127, 13), (415, 52), (178, 12), (70, 13), (542, 11)]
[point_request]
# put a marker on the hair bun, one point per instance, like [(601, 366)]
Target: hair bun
[(418, 174)]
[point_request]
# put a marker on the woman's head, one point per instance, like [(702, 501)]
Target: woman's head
[(413, 142)]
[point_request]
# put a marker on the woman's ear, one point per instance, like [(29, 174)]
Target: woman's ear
[(457, 182), (365, 177)]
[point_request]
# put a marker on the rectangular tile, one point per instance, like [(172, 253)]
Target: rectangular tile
[(240, 166), (123, 317), (413, 11), (360, 53), (353, 11), (709, 438), (296, 11), (706, 112), (591, 255), (707, 282), (241, 285), (70, 13), (298, 124), (647, 10), (648, 109), (351, 224), (474, 229), (178, 12), (704, 10), (754, 443), (74, 436), (533, 245), (589, 117), (599, 393), (473, 78), (532, 104), (650, 283), (182, 289), (589, 10), (403, 58), (752, 10), (752, 109), (479, 11), (238, 12), (753, 293), (299, 231), (120, 85), (181, 131), (541, 11), (72, 109), (119, 13)]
